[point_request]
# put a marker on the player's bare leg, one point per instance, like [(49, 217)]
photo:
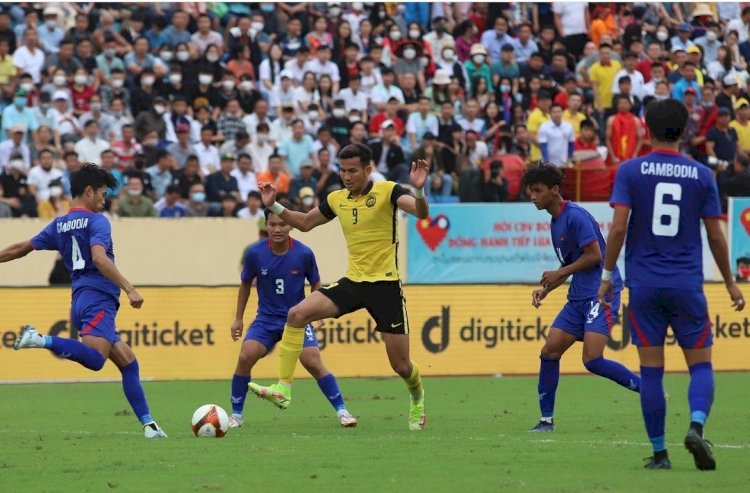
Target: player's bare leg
[(397, 348), (594, 361), (250, 353), (653, 403), (121, 355), (315, 307), (558, 341), (700, 397), (313, 363)]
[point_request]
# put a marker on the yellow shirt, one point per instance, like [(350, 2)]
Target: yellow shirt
[(604, 78), (575, 121), (6, 69), (535, 120), (743, 134), (369, 226), (47, 211)]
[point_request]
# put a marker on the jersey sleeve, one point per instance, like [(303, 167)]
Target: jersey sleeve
[(620, 190), (249, 269), (398, 192), (583, 228), (326, 209), (100, 232), (46, 239), (711, 207), (311, 268)]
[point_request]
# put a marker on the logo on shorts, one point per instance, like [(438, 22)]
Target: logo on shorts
[(370, 201), (263, 272)]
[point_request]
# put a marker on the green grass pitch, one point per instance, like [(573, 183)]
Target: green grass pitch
[(82, 437)]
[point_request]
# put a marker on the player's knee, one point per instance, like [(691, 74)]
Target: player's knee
[(296, 317), (549, 352), (591, 363), (315, 368), (402, 368), (246, 362)]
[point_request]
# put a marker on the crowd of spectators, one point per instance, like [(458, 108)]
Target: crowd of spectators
[(191, 104)]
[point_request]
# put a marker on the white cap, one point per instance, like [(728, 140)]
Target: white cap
[(286, 73), (441, 77), (729, 80), (59, 95), (388, 123), (18, 127)]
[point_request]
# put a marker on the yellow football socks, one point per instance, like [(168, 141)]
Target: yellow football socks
[(414, 382), (289, 351)]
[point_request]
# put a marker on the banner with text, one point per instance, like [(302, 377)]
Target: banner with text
[(495, 243), (183, 333), (739, 237)]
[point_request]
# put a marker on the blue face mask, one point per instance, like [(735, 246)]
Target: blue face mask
[(266, 7), (199, 197), (20, 102)]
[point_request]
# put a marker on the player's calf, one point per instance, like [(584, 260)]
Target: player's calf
[(70, 349)]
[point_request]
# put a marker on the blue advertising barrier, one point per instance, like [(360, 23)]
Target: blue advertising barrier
[(739, 237)]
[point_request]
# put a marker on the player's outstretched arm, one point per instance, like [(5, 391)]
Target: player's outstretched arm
[(615, 240), (16, 251), (109, 270), (299, 220), (242, 296), (417, 205), (719, 249)]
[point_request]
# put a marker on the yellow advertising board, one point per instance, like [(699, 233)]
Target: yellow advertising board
[(183, 333)]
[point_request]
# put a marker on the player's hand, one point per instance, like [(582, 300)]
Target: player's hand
[(420, 170), (136, 300), (537, 296), (605, 291), (738, 300), (236, 329), (550, 278), (267, 193)]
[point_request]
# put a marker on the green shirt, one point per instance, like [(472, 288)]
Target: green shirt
[(143, 208)]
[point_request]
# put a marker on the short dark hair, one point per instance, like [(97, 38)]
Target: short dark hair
[(666, 119), (172, 189), (46, 151), (254, 193), (362, 151), (587, 123), (90, 175), (543, 172)]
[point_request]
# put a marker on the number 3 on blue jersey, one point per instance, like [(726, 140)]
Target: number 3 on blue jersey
[(279, 286), (78, 261), (672, 211)]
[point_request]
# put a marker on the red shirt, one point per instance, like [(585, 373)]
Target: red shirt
[(644, 67), (562, 99), (81, 99), (580, 145), (378, 120)]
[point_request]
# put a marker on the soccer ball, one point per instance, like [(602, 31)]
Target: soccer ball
[(210, 421)]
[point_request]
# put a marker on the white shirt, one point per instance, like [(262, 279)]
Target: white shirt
[(8, 148), (476, 125), (557, 138), (438, 44), (636, 83), (251, 122), (208, 157), (91, 150), (41, 179), (33, 63), (280, 131), (728, 10), (201, 42), (572, 17), (279, 96), (264, 71), (735, 24), (260, 154), (299, 72), (479, 154), (302, 97), (329, 68), (65, 123), (246, 214), (353, 101), (381, 94), (245, 183)]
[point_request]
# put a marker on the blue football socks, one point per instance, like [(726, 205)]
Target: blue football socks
[(74, 350), (131, 385), (330, 389), (549, 376), (239, 392), (615, 372), (701, 392), (653, 405)]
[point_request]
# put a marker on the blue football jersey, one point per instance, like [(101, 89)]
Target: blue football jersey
[(572, 231), (668, 195), (73, 235), (280, 279)]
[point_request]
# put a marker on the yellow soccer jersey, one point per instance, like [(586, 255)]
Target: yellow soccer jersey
[(369, 225)]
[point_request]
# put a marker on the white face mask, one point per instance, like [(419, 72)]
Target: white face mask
[(711, 36), (117, 83), (228, 85), (449, 55), (213, 58), (339, 113), (166, 56), (263, 138), (257, 26), (358, 6), (27, 86), (148, 81), (16, 165), (151, 142), (59, 80), (80, 79), (96, 106), (50, 23), (410, 53), (183, 56), (55, 192), (205, 79), (414, 34), (478, 59), (160, 109), (662, 36), (308, 201), (246, 85), (354, 119), (175, 78), (395, 35), (134, 193), (312, 115)]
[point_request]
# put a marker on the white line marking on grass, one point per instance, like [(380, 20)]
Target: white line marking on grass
[(738, 446)]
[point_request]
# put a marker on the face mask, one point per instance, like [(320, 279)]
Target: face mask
[(381, 14), (117, 83), (354, 119), (478, 59), (707, 104), (109, 53), (212, 58), (267, 7), (116, 114), (166, 55), (401, 8), (246, 85), (205, 79), (96, 106), (159, 109), (50, 23), (308, 201), (661, 98), (410, 53), (148, 81), (16, 165), (504, 88), (55, 192), (339, 113), (312, 115), (44, 106), (257, 26), (59, 80), (662, 36), (134, 193), (198, 197), (449, 55), (395, 35), (228, 85), (27, 86), (183, 56), (20, 102), (175, 78), (151, 142), (711, 36), (80, 79), (334, 11), (357, 6), (263, 137), (414, 34)]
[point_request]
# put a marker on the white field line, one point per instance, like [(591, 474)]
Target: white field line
[(70, 380)]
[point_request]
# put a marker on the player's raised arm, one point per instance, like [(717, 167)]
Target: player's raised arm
[(109, 270), (16, 251), (417, 205), (303, 221)]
